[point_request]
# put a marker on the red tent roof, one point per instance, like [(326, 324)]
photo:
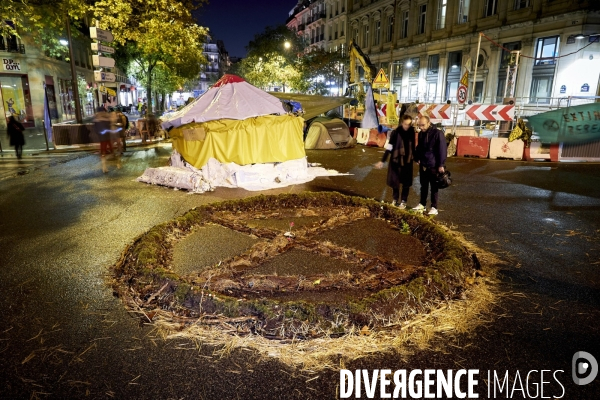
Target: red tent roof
[(228, 78)]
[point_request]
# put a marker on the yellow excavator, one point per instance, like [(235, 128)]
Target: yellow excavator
[(356, 53)]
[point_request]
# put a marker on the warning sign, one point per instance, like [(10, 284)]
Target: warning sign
[(381, 80), (465, 79)]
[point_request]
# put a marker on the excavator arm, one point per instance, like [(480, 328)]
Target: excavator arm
[(356, 53)]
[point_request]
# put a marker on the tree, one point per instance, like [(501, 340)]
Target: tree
[(270, 62), (319, 67), (273, 40), (47, 18), (161, 32), (272, 69)]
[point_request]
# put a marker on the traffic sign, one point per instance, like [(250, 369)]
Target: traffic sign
[(100, 34), (465, 79), (381, 80), (490, 112), (100, 61), (461, 94), (435, 111), (102, 49), (100, 76)]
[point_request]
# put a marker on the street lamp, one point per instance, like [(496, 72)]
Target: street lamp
[(409, 64), (287, 45), (63, 42)]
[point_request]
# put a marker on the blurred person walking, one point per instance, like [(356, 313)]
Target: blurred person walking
[(124, 127), (104, 124), (15, 133)]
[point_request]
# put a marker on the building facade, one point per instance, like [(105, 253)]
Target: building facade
[(217, 64), (336, 25), (28, 76), (424, 45), (308, 20)]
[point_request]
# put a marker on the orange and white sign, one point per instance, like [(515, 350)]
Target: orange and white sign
[(435, 111)]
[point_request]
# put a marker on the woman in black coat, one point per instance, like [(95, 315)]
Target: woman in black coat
[(15, 133), (401, 147)]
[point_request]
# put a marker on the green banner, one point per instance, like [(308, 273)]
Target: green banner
[(575, 124)]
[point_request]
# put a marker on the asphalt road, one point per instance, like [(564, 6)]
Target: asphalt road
[(64, 335)]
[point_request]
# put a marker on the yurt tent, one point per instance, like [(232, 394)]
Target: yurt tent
[(235, 122), (328, 133)]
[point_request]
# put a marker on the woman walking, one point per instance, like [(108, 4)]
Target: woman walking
[(15, 133), (401, 148)]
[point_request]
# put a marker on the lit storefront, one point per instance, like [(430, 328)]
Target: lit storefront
[(15, 92)]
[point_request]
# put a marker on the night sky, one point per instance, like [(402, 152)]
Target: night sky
[(235, 22)]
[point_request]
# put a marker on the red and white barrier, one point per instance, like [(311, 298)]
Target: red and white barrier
[(536, 151), (484, 112), (376, 139), (468, 146), (435, 111), (502, 148)]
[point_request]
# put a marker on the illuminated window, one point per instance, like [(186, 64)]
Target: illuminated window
[(441, 14), (16, 98), (434, 64), (463, 11), (546, 49)]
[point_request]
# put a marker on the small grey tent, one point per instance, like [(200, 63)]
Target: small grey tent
[(327, 133)]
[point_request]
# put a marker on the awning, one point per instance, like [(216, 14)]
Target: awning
[(312, 105)]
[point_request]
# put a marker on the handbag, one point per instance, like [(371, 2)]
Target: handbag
[(444, 179)]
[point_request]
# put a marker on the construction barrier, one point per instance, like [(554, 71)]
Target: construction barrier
[(376, 139), (435, 111), (502, 148), (468, 146), (537, 151), (362, 135), (483, 112)]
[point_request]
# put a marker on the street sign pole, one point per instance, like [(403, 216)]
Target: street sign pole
[(74, 83)]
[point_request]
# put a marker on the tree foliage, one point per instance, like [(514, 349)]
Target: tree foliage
[(269, 63), (47, 18), (272, 69), (272, 41), (149, 33), (163, 33)]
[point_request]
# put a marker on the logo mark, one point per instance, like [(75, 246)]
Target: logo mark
[(584, 364)]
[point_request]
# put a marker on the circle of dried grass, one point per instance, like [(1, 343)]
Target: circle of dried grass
[(229, 307)]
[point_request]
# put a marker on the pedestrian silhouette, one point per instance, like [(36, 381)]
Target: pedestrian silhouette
[(15, 133)]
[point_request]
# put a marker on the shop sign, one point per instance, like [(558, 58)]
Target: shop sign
[(8, 64)]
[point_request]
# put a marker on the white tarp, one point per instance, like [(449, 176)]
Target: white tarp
[(230, 98), (252, 177)]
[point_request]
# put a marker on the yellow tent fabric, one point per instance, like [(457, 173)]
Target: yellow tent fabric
[(269, 138)]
